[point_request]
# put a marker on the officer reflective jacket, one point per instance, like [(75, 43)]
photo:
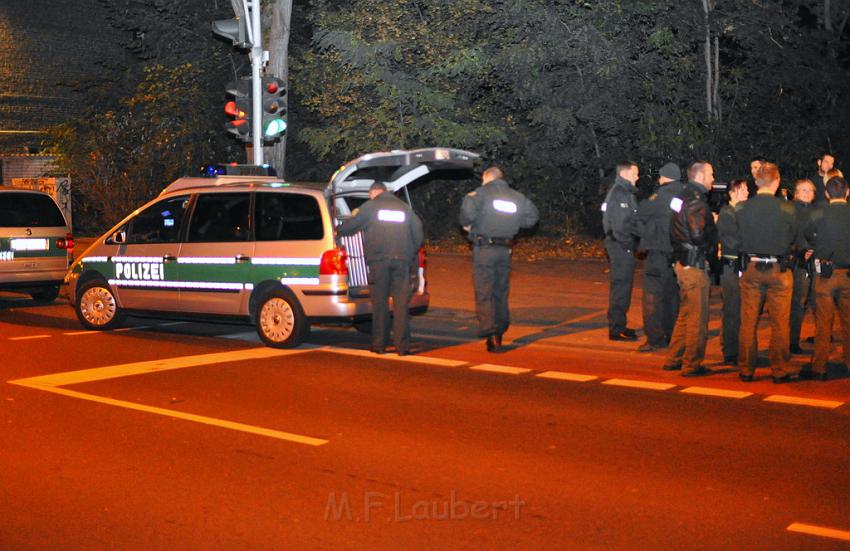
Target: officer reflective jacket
[(495, 210), (619, 213), (654, 216), (828, 230), (391, 230)]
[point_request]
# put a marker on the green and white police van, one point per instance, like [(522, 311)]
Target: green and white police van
[(250, 248), (36, 245)]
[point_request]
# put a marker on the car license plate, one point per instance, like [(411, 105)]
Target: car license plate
[(29, 244)]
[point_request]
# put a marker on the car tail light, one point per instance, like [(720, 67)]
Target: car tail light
[(422, 257), (333, 262), (66, 242)]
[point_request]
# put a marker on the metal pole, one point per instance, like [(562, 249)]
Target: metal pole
[(257, 95)]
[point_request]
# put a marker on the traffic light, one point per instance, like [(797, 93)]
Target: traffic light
[(235, 30), (273, 108), (240, 109)]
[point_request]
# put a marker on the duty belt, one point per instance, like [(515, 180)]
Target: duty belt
[(483, 241)]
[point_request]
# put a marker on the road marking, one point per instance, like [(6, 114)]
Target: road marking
[(638, 384), (139, 328), (76, 333), (813, 530), (561, 376), (722, 393), (781, 399), (54, 382), (29, 337), (506, 369), (394, 357)]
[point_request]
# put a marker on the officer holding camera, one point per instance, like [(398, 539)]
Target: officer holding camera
[(768, 230), (828, 230)]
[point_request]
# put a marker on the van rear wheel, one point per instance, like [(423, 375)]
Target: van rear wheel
[(281, 322), (96, 307)]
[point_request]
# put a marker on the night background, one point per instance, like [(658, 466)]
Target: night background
[(131, 93)]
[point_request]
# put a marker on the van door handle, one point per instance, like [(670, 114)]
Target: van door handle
[(241, 258), (169, 258)]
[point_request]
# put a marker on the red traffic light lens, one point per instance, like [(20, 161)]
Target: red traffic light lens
[(272, 88), (231, 109)]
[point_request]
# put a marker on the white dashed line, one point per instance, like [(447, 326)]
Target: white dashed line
[(562, 376), (506, 369), (394, 357), (638, 384), (794, 400), (77, 333), (719, 392), (822, 531), (29, 337)]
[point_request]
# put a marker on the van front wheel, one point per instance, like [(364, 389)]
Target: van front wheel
[(281, 322)]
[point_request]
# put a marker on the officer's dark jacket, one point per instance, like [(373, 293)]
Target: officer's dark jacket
[(619, 213), (820, 189), (767, 226), (828, 230), (727, 231), (654, 217), (391, 230), (495, 210), (692, 230), (802, 212)]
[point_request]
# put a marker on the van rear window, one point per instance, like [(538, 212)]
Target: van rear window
[(29, 210)]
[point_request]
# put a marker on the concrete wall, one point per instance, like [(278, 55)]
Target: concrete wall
[(46, 48)]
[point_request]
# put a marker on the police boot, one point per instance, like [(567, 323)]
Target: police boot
[(491, 344)]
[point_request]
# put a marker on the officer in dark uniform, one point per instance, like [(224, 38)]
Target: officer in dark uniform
[(802, 295), (767, 228), (660, 290), (619, 220), (392, 236), (694, 237), (730, 245), (826, 162), (493, 214), (829, 231)]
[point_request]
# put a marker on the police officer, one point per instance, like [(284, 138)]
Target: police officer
[(660, 290), (826, 162), (730, 245), (493, 214), (392, 235), (619, 221), (802, 296), (767, 228), (694, 237), (828, 230)]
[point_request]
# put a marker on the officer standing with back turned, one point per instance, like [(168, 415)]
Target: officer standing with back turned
[(392, 236), (493, 214)]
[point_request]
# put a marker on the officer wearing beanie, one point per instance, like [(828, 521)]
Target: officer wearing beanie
[(620, 223), (768, 230), (392, 236), (660, 290), (828, 230), (493, 214)]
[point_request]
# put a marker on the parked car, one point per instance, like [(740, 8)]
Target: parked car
[(36, 245), (255, 249)]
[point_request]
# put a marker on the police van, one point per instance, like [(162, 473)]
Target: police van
[(251, 248), (36, 244)]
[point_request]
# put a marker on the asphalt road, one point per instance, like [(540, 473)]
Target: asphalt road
[(190, 435)]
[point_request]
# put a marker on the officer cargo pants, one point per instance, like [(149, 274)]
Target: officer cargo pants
[(768, 283), (620, 289), (491, 270), (835, 289), (390, 278), (730, 289), (660, 298), (801, 300), (687, 346)]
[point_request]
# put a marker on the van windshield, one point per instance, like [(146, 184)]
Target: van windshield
[(29, 210)]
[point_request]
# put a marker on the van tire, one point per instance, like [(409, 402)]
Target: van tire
[(281, 322), (45, 294), (96, 307)]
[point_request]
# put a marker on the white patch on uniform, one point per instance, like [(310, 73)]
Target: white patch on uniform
[(501, 205), (395, 216), (676, 204), (604, 207), (624, 205)]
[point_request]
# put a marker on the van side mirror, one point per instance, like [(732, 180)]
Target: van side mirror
[(118, 237)]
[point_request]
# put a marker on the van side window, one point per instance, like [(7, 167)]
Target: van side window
[(29, 210), (220, 217), (159, 223), (288, 217)]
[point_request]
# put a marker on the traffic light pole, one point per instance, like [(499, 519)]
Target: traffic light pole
[(256, 83)]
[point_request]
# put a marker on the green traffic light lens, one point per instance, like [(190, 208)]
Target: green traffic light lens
[(275, 127)]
